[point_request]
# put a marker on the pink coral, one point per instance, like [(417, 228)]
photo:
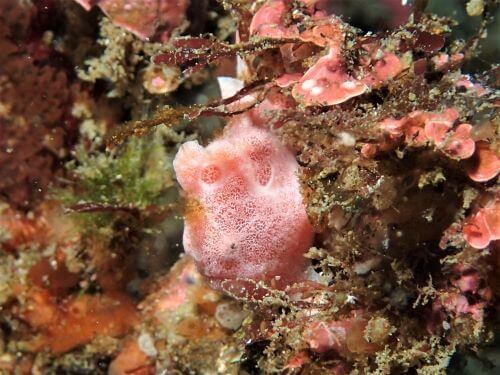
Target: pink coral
[(485, 165), (326, 32), (327, 83), (269, 21), (384, 69), (484, 226), (143, 18), (272, 20), (457, 143), (419, 128), (435, 126), (460, 144), (246, 218)]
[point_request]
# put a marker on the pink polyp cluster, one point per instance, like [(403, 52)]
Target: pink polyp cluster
[(247, 220), (484, 226), (485, 165), (420, 128), (327, 82)]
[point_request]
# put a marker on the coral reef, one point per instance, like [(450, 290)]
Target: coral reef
[(239, 187)]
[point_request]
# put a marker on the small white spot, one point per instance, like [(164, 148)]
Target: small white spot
[(317, 90), (350, 299), (308, 84), (347, 139), (349, 85)]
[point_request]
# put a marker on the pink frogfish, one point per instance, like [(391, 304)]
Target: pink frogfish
[(245, 220)]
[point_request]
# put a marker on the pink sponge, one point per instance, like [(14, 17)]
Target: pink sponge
[(245, 218)]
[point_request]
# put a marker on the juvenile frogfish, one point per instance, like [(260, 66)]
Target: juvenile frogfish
[(246, 220)]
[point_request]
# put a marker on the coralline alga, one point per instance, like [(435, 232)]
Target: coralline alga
[(245, 219)]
